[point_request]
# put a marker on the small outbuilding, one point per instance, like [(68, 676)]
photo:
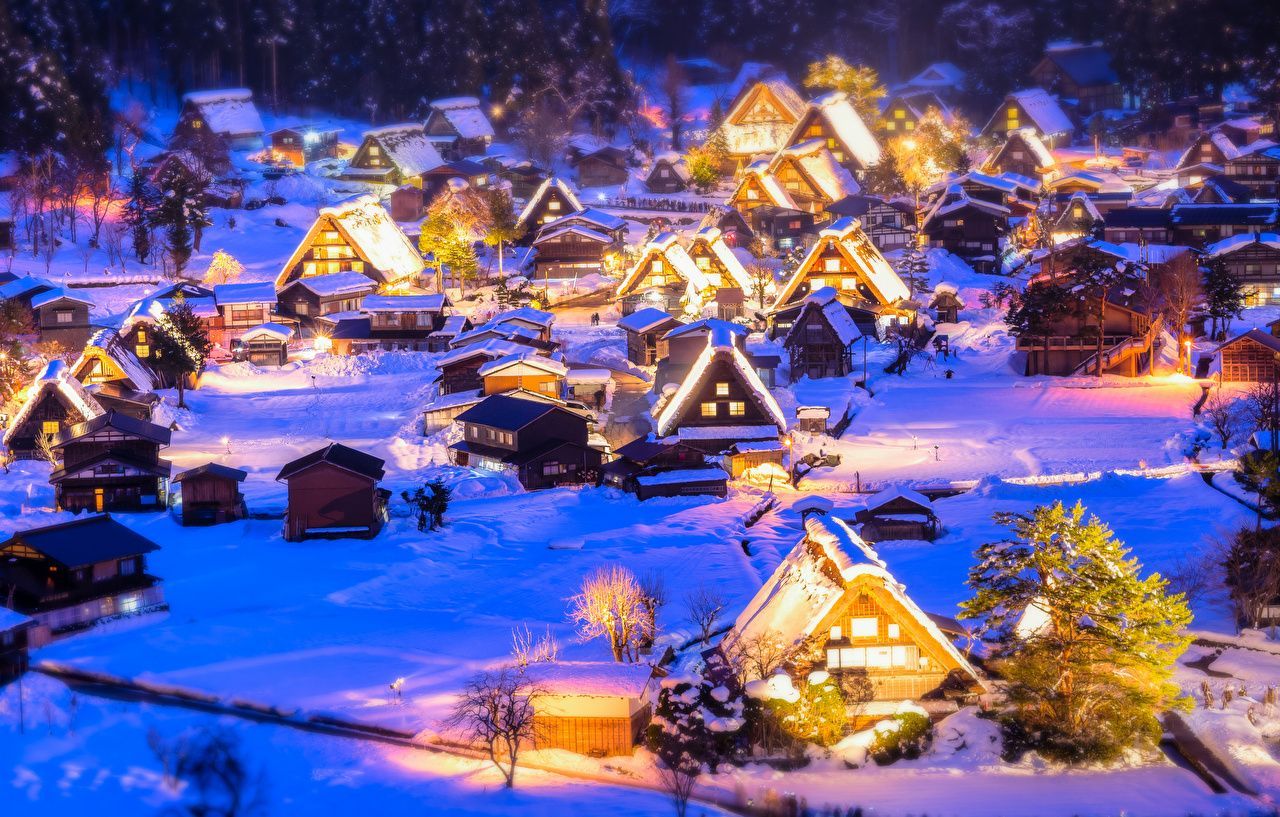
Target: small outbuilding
[(266, 344), (211, 494), (645, 330), (708, 480), (898, 513), (594, 708), (334, 493)]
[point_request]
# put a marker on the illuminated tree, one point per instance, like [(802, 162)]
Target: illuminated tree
[(223, 269), (935, 148), (502, 226), (612, 604), (860, 83)]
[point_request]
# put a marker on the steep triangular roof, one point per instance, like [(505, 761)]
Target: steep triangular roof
[(107, 346), (868, 263), (550, 183), (714, 239), (464, 115), (758, 173), (838, 112), (826, 303), (407, 146), (228, 111), (342, 456), (377, 240), (817, 575), (1040, 107), (817, 164), (667, 247), (55, 378), (767, 135), (721, 345)]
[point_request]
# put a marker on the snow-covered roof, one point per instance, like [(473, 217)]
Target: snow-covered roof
[(1042, 109), (938, 75), (1043, 157), (827, 300), (848, 126), (720, 346), (59, 294), (673, 160), (56, 376), (492, 349), (528, 314), (683, 475), (588, 217), (525, 358), (748, 138), (846, 235), (107, 343), (465, 115), (10, 619), (760, 171), (667, 247), (577, 229), (814, 577), (407, 146), (262, 292), (725, 254), (270, 329), (22, 286), (336, 283), (642, 320), (832, 179), (435, 302), (707, 325), (896, 492), (737, 434), (558, 183), (1236, 242), (452, 326), (1085, 202), (597, 679), (956, 198), (228, 112), (368, 228)]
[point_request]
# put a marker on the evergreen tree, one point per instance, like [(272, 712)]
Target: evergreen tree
[(501, 225), (913, 266), (860, 83), (1089, 680), (1035, 312), (181, 214), (140, 213), (179, 345), (1224, 295)]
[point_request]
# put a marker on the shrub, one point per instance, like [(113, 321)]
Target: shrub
[(907, 734)]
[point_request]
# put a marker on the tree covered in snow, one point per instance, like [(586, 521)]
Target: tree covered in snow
[(697, 724), (1085, 644), (1224, 296), (501, 224), (912, 267), (860, 83), (139, 214)]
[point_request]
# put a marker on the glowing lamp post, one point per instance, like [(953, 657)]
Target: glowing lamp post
[(322, 344)]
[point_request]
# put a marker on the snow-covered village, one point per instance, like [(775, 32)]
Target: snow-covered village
[(630, 407)]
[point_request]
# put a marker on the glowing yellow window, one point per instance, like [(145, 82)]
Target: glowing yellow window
[(890, 125), (909, 125), (817, 283), (722, 390), (831, 264), (49, 427), (899, 114), (142, 335), (848, 284), (737, 409), (143, 350), (708, 409)]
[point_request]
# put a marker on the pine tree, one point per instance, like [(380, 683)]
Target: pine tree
[(501, 225), (179, 345), (140, 213), (913, 266), (1034, 312), (1090, 681), (1224, 295)]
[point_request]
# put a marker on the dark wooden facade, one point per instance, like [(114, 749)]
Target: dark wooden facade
[(1016, 155), (1257, 266), (970, 231), (1250, 358), (334, 493), (1082, 73), (668, 175), (301, 145), (63, 319), (606, 167), (550, 202), (211, 494), (814, 346), (543, 444), (71, 575), (645, 344), (111, 463), (51, 414), (305, 298), (572, 252)]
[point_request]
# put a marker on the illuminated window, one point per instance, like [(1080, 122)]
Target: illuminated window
[(848, 284), (49, 427), (374, 150), (909, 125), (657, 265), (737, 409), (554, 204), (890, 125), (704, 263), (142, 335), (143, 351), (899, 114), (863, 627), (64, 316), (817, 283), (835, 633), (722, 390), (831, 264), (708, 409), (895, 632)]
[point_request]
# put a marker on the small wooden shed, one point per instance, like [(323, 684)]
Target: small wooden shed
[(746, 455), (334, 493), (898, 513), (266, 344), (708, 480), (645, 330), (211, 494), (812, 419), (594, 708)]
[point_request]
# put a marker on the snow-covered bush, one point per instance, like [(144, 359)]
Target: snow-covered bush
[(699, 718), (907, 734)]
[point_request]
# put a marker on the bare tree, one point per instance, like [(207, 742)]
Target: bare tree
[(612, 604), (216, 781), (497, 710), (758, 656), (654, 587), (1223, 417), (1181, 294), (1250, 561), (526, 648), (761, 278), (1261, 404), (678, 772), (859, 690), (704, 606)]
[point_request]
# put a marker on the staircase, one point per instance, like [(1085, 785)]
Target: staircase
[(1122, 352)]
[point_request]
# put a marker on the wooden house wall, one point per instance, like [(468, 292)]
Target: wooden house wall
[(967, 232), (325, 496), (1015, 156), (210, 498), (816, 126), (1247, 361), (646, 348), (595, 737), (541, 383), (596, 172), (815, 349), (329, 252), (844, 278), (657, 182), (722, 371), (371, 155), (51, 408), (462, 376), (553, 205)]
